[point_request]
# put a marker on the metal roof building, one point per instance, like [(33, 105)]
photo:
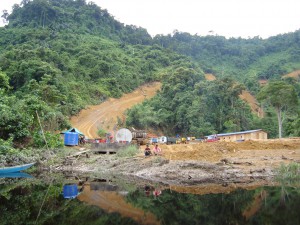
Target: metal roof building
[(243, 135)]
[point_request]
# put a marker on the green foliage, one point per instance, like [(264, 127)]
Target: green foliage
[(279, 94), (282, 97), (14, 120), (53, 140), (192, 107), (101, 132), (58, 60), (288, 174), (128, 151), (6, 146), (4, 81), (57, 57)]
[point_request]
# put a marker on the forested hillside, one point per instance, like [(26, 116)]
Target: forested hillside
[(58, 56), (246, 59)]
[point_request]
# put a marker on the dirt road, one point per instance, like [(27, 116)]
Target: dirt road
[(105, 115)]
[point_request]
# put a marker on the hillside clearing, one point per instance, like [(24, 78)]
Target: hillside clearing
[(105, 115)]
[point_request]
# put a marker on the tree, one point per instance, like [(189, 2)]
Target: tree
[(282, 97), (4, 81), (5, 15)]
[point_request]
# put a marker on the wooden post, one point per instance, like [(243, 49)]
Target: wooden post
[(42, 130)]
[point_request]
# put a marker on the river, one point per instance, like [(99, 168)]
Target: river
[(71, 199)]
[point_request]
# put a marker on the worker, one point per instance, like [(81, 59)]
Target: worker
[(147, 151), (156, 192), (156, 150)]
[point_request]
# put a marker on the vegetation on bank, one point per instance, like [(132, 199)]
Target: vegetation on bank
[(288, 174), (58, 56)]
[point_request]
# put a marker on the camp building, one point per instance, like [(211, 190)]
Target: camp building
[(244, 135)]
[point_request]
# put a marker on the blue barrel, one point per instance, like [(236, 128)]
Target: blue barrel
[(70, 191), (71, 138)]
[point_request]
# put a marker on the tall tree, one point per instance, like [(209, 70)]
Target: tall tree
[(282, 97)]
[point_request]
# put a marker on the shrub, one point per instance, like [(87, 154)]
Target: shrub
[(6, 146), (288, 174), (128, 151), (53, 140)]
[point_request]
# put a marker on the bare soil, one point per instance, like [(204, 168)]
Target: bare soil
[(295, 74), (251, 100), (105, 115), (224, 163), (180, 165)]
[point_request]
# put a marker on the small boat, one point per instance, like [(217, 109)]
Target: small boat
[(15, 169), (15, 175)]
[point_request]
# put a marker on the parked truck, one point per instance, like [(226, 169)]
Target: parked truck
[(167, 140), (139, 137)]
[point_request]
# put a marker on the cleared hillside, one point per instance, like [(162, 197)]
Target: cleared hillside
[(105, 115), (295, 74)]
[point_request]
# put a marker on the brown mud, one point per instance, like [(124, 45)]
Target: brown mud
[(224, 164), (227, 164)]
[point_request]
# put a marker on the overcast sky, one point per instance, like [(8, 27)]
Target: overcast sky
[(229, 18)]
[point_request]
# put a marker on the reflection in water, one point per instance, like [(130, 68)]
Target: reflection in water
[(15, 175), (70, 191), (113, 203), (256, 205), (111, 199)]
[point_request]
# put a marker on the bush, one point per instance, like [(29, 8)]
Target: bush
[(101, 132), (53, 140), (6, 146), (288, 174), (129, 151)]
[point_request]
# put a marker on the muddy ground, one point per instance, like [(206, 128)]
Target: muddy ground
[(183, 165)]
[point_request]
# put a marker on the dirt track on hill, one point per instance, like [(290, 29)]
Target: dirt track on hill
[(105, 115)]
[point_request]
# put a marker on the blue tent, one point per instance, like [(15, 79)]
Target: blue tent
[(73, 130)]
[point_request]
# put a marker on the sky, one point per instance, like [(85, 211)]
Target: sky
[(229, 18)]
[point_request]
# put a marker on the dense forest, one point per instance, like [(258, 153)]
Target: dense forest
[(58, 56)]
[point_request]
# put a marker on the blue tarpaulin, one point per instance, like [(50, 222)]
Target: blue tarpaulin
[(73, 129)]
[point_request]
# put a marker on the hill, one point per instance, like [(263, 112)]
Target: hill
[(57, 57), (105, 115)]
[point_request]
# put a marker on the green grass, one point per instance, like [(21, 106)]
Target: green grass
[(128, 151), (288, 174)]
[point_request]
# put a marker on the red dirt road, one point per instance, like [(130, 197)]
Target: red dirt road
[(105, 115)]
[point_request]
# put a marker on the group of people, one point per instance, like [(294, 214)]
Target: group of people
[(156, 191), (156, 150)]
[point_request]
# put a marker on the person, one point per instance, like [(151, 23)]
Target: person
[(156, 192), (147, 151), (156, 150), (147, 190)]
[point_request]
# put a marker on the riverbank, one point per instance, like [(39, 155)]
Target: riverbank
[(221, 163)]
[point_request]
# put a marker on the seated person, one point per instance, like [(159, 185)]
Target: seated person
[(147, 151), (156, 150)]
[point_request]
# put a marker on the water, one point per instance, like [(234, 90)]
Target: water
[(54, 200)]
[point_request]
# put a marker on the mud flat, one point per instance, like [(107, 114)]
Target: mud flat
[(226, 164)]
